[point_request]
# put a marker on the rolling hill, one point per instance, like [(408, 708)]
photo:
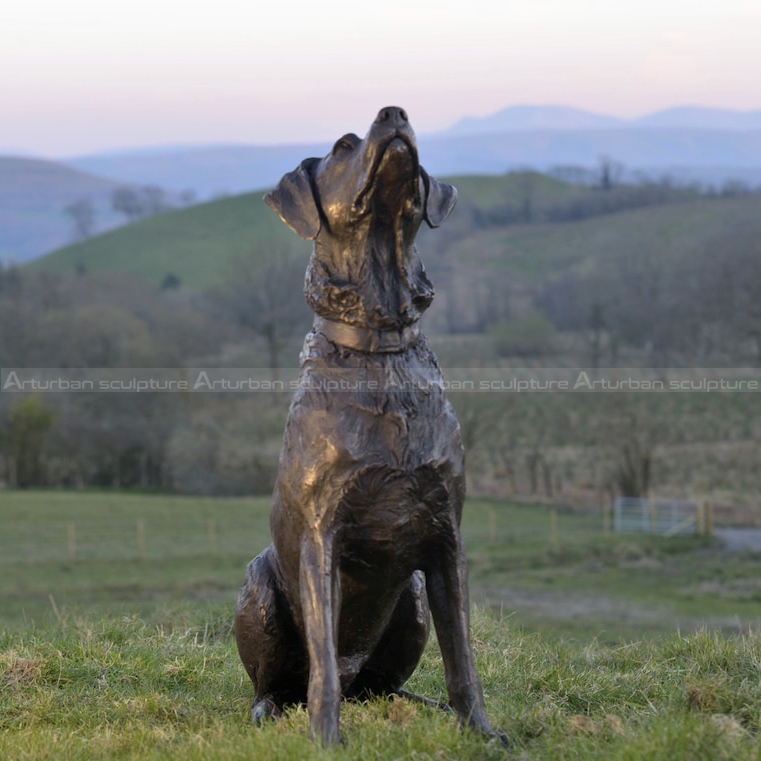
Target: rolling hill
[(539, 253), (690, 144), (200, 244), (33, 194)]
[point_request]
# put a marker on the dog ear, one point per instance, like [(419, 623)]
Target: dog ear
[(293, 201), (440, 199)]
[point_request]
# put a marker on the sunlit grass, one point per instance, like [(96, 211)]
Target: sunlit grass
[(124, 687)]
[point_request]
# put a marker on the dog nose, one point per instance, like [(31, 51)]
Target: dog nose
[(393, 116)]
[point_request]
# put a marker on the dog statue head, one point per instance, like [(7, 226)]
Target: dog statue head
[(380, 173), (362, 204)]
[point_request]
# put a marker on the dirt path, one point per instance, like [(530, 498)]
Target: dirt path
[(568, 604), (602, 612), (571, 604)]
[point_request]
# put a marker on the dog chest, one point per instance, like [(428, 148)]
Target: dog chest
[(391, 521)]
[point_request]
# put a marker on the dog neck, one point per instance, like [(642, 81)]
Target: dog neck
[(369, 277), (367, 340)]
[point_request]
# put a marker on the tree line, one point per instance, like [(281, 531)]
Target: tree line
[(637, 306), (199, 443), (132, 201)]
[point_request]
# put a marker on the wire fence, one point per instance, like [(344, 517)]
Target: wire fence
[(138, 539), (667, 517), (193, 534), (158, 538)]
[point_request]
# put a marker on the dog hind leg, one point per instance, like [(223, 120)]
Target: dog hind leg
[(268, 642), (400, 648)]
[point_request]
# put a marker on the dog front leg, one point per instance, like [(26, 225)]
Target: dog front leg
[(319, 587), (447, 587)]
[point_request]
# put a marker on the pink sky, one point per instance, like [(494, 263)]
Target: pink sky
[(82, 76)]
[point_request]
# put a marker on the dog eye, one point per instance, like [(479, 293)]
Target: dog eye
[(346, 143)]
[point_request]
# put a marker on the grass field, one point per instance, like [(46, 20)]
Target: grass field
[(116, 641), (86, 553), (119, 688)]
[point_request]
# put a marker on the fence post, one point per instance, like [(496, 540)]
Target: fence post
[(709, 518), (700, 518), (653, 516), (71, 536), (141, 539), (211, 531)]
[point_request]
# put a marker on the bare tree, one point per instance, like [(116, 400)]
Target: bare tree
[(746, 263), (526, 182), (82, 213), (155, 200), (628, 436), (266, 296), (136, 203), (126, 200), (610, 172)]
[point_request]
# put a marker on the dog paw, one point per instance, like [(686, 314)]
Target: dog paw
[(263, 710)]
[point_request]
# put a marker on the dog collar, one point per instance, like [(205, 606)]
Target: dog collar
[(367, 340)]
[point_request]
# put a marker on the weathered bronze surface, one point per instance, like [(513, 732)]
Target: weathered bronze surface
[(367, 505)]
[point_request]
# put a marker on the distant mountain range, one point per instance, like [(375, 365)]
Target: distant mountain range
[(209, 170), (697, 117), (518, 118), (524, 118), (690, 144)]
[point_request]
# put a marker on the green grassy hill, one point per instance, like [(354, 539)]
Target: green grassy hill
[(486, 191), (199, 244), (536, 252)]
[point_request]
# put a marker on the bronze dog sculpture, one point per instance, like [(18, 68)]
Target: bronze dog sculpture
[(367, 505)]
